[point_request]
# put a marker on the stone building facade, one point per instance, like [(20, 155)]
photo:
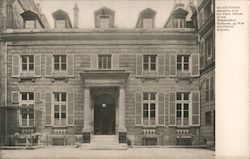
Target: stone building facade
[(65, 86)]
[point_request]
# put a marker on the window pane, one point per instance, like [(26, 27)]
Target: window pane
[(31, 96), (56, 66), (152, 113), (145, 96), (186, 58), (63, 115), (178, 114), (63, 97), (152, 96), (179, 58), (63, 58), (147, 23), (178, 96), (153, 59), (152, 106), (104, 22), (63, 66), (56, 115), (31, 116), (56, 59), (31, 66), (24, 96), (56, 108), (56, 97), (186, 96), (186, 66), (178, 106), (145, 66), (145, 59), (24, 116), (185, 113), (153, 66), (185, 106), (63, 108), (145, 106), (24, 67)]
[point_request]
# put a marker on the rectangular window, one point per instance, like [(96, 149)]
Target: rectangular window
[(209, 46), (27, 111), (30, 24), (210, 89), (60, 62), (183, 63), (60, 23), (149, 63), (60, 108), (149, 108), (208, 118), (104, 61), (104, 21), (27, 62), (182, 108), (147, 23)]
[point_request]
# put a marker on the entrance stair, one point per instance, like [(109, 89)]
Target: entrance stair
[(104, 142)]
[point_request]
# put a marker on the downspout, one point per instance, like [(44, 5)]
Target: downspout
[(5, 90)]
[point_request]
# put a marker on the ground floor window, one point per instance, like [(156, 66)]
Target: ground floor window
[(27, 117), (149, 108), (60, 108), (182, 108)]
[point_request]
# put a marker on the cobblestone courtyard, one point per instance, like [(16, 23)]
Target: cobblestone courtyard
[(137, 153)]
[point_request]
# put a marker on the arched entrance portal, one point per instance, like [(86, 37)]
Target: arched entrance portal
[(104, 115)]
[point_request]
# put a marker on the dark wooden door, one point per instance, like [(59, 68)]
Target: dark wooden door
[(104, 115)]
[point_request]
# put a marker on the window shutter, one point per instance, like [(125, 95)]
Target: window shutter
[(37, 96), (202, 54), (115, 61), (15, 66), (196, 108), (37, 64), (161, 108), (93, 61), (14, 97), (138, 108), (70, 65), (195, 65), (48, 65), (161, 65), (70, 108), (173, 68), (172, 110), (48, 108), (139, 64)]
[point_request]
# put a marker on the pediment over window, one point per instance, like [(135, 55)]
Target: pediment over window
[(104, 18), (31, 19), (146, 19), (62, 19)]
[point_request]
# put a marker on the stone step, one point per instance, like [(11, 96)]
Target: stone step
[(104, 147)]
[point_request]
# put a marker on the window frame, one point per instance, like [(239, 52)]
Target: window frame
[(152, 120), (210, 89), (182, 102), (150, 63), (179, 23), (183, 63), (60, 20), (209, 45), (60, 103), (28, 63), (107, 25), (104, 60), (147, 26), (30, 20), (60, 63), (208, 118), (29, 102)]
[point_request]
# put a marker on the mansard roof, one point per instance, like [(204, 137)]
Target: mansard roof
[(146, 13), (60, 14), (104, 10), (30, 15)]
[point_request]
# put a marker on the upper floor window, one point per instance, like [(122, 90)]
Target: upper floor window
[(208, 118), (104, 22), (27, 111), (209, 46), (210, 89), (182, 108), (147, 22), (27, 62), (149, 62), (179, 23), (104, 61), (30, 24), (183, 63), (60, 108), (60, 62), (60, 23), (149, 108)]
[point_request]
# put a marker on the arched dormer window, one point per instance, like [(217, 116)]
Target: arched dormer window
[(31, 20), (61, 19), (146, 19), (104, 18)]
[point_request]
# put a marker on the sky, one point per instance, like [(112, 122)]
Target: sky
[(126, 11)]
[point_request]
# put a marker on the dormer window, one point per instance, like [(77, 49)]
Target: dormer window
[(29, 24), (147, 23), (104, 22), (31, 20), (179, 23), (104, 18), (146, 19), (60, 23), (61, 19)]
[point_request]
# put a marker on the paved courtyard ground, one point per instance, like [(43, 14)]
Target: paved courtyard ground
[(131, 153)]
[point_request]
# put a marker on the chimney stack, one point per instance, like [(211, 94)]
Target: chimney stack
[(76, 15)]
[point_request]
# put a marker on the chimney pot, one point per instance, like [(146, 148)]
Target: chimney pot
[(76, 15)]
